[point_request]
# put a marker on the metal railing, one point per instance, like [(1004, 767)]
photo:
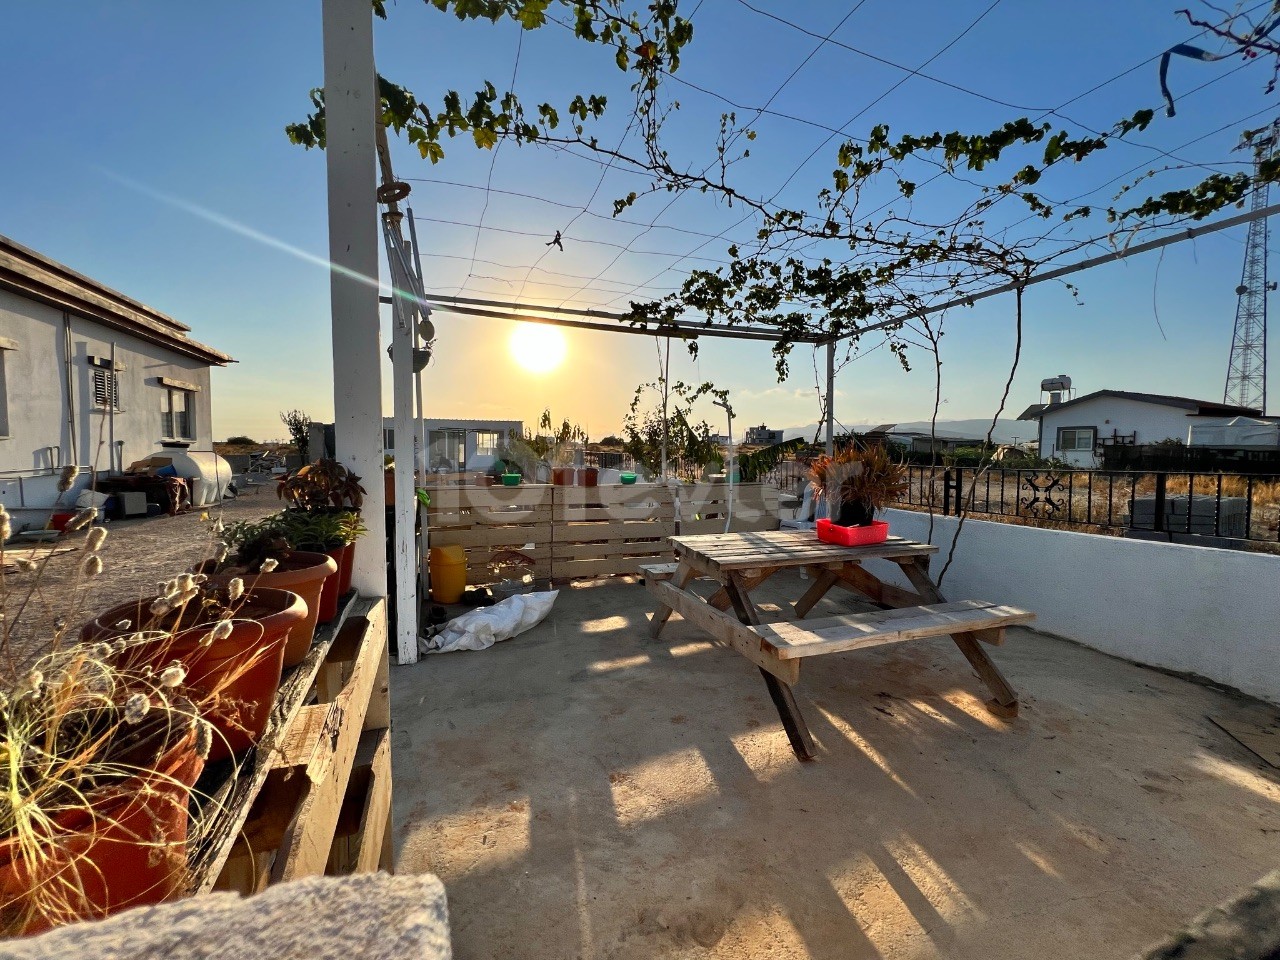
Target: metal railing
[(1177, 504)]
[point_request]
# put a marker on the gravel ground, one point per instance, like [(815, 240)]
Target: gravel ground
[(138, 554)]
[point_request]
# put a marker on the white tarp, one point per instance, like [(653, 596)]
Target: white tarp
[(485, 626), (1236, 432)]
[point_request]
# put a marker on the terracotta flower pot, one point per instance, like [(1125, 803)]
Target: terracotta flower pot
[(303, 573), (336, 586), (242, 669), (126, 848), (562, 476)]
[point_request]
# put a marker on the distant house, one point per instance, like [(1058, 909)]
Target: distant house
[(762, 436), (89, 378), (1077, 430), (919, 442), (458, 444)]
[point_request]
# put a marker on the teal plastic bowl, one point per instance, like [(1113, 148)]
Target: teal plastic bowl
[(628, 478), (511, 479)]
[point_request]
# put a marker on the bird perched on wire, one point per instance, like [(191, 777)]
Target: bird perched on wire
[(555, 241)]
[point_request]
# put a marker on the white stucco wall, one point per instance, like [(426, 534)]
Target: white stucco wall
[(1151, 422), (1194, 609), (37, 398)]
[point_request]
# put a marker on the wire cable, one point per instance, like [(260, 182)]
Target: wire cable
[(493, 160)]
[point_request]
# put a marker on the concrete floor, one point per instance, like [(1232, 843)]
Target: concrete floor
[(585, 792)]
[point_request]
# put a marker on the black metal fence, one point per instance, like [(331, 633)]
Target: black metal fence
[(1176, 458), (1173, 504)]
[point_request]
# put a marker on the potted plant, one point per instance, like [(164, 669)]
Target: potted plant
[(100, 747), (303, 572), (326, 486), (99, 763), (228, 639), (856, 484), (333, 534)]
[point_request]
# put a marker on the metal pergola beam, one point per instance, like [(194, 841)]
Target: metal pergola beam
[(603, 321)]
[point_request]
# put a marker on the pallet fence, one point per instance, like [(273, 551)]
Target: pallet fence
[(572, 532)]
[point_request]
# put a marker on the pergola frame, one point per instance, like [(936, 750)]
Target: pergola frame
[(351, 101)]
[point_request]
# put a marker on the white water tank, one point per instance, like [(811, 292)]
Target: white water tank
[(208, 473)]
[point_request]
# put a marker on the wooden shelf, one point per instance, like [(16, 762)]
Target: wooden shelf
[(273, 815)]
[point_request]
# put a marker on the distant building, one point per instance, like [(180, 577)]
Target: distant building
[(762, 436), (89, 378), (452, 444), (920, 442), (1077, 430)]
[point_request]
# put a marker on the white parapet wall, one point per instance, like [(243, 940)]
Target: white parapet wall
[(1199, 610)]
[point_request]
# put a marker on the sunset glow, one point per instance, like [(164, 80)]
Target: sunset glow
[(537, 348)]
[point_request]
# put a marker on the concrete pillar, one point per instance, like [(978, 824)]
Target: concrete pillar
[(350, 110)]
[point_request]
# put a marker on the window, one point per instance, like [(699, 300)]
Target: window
[(176, 422), (487, 443), (106, 389), (1076, 439)]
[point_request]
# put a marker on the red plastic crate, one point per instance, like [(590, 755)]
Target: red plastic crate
[(830, 532)]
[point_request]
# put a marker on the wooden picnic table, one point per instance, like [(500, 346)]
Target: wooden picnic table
[(740, 562)]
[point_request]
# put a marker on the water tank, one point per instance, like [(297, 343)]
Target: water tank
[(209, 473), (1061, 383)]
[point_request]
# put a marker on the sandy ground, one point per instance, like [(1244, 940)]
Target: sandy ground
[(138, 554), (584, 792)]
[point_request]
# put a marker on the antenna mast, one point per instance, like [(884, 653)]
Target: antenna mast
[(1247, 367)]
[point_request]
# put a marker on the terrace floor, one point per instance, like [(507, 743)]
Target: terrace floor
[(586, 792)]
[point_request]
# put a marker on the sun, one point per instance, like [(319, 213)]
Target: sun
[(537, 348)]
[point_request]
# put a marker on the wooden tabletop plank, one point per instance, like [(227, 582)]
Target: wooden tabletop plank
[(784, 548)]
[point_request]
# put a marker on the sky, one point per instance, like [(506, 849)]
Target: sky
[(145, 148)]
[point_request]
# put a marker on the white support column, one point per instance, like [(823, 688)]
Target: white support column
[(350, 107), (403, 339), (831, 397)]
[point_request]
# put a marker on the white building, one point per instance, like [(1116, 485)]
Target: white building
[(460, 444), (762, 436), (90, 378), (1076, 430)]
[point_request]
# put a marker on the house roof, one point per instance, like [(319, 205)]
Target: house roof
[(36, 277), (1197, 408)]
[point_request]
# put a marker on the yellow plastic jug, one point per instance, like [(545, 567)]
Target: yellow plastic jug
[(448, 566)]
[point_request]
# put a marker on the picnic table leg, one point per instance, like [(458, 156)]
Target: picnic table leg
[(788, 710), (823, 580), (684, 573), (1005, 704), (720, 599)]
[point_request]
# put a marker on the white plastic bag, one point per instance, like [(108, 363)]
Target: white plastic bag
[(485, 626), (90, 498)]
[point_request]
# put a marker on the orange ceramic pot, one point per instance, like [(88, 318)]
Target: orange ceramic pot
[(236, 677), (299, 572), (125, 847)]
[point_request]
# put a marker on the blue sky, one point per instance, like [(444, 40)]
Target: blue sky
[(112, 108)]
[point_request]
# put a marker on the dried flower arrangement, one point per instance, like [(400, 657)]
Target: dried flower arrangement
[(857, 483), (102, 740)]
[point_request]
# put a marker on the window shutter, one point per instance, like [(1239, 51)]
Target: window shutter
[(106, 389)]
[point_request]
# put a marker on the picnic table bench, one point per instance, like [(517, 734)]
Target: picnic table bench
[(740, 562)]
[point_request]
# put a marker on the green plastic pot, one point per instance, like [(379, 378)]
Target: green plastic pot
[(511, 479)]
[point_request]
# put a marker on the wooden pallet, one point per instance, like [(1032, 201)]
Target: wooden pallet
[(314, 796), (574, 532)]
